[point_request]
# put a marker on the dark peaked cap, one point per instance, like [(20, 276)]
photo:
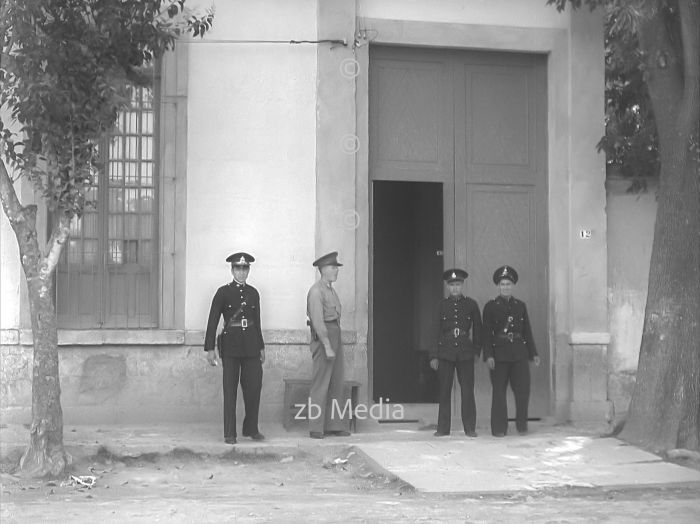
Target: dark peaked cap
[(330, 259), (240, 259), (454, 274), (506, 272)]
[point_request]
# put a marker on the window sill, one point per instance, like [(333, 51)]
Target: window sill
[(117, 337)]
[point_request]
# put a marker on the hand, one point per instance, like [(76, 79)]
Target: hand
[(329, 352), (536, 360), (434, 363), (211, 358), (262, 356), (491, 363)]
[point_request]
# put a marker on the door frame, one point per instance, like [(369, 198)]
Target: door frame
[(453, 224)]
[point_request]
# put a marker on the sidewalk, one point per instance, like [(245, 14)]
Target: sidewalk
[(549, 457)]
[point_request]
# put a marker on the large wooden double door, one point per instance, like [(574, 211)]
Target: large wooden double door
[(458, 171)]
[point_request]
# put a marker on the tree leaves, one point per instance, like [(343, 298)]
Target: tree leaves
[(631, 141), (65, 69)]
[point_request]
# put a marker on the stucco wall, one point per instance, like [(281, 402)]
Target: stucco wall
[(251, 157), (631, 220), (9, 275), (512, 13), (122, 384)]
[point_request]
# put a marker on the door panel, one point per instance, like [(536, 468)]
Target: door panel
[(500, 127), (502, 229), (500, 208), (411, 115)]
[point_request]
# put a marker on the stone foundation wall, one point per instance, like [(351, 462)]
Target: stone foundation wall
[(148, 384)]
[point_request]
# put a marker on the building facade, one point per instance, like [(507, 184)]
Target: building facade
[(408, 136)]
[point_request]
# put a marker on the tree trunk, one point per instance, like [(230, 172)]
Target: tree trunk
[(45, 454), (665, 407)]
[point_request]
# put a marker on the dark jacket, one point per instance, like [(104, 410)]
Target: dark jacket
[(458, 329), (242, 334), (507, 331)]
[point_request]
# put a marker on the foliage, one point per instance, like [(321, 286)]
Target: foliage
[(631, 141), (65, 71)]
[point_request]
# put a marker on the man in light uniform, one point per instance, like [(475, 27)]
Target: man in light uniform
[(323, 309)]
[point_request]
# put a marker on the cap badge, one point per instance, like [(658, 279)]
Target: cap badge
[(242, 260)]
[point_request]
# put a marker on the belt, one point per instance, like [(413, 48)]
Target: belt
[(334, 321), (244, 323), (510, 337), (456, 331)]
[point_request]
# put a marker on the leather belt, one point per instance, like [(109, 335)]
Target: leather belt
[(244, 323), (334, 321), (456, 331), (510, 337)]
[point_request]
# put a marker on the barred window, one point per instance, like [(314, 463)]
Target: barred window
[(108, 272)]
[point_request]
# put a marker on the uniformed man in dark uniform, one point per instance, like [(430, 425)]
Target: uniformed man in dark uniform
[(458, 345), (508, 348), (240, 346)]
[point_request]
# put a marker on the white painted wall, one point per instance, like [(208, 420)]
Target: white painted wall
[(631, 219), (514, 13), (12, 285), (251, 158), (10, 275)]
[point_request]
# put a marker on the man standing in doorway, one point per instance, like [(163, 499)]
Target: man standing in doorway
[(457, 316), (323, 310), (508, 348), (240, 345)]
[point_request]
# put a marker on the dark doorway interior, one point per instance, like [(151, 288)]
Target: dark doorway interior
[(407, 268)]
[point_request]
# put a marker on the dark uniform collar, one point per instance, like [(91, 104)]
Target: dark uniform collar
[(457, 298), (236, 283), (507, 300)]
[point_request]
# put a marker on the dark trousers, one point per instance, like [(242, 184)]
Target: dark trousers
[(516, 373), (249, 371), (465, 376)]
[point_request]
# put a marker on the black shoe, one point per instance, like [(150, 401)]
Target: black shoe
[(256, 436), (315, 434), (522, 432), (440, 434), (471, 433), (499, 434), (230, 440), (337, 433)]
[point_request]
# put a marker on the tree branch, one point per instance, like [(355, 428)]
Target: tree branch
[(59, 235), (10, 203)]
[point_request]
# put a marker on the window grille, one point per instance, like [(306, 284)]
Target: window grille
[(108, 272)]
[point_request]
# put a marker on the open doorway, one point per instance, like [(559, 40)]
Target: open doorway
[(406, 286)]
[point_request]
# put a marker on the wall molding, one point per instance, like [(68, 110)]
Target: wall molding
[(154, 337), (589, 338)]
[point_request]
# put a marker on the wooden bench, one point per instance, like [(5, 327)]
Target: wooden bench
[(292, 385)]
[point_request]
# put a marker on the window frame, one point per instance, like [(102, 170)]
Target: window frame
[(171, 151)]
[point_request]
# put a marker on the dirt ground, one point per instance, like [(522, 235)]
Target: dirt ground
[(312, 485)]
